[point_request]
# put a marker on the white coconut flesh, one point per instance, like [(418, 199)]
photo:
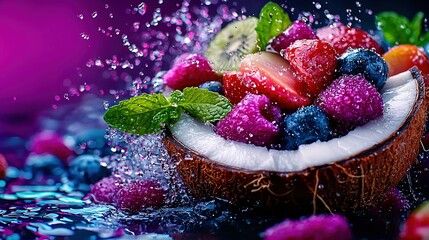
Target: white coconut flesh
[(399, 94)]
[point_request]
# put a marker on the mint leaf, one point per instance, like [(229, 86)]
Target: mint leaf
[(206, 105), (143, 114), (397, 29), (147, 114), (272, 21), (176, 97), (393, 26)]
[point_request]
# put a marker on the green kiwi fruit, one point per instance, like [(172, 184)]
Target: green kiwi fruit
[(231, 44)]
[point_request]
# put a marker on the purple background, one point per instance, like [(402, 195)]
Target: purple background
[(43, 54)]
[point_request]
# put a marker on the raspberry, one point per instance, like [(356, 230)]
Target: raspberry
[(315, 227), (254, 120), (298, 30), (351, 101), (106, 189), (189, 70), (140, 194), (305, 126)]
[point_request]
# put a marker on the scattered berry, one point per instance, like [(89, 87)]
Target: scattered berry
[(315, 227), (87, 169), (269, 74), (44, 165), (214, 86), (314, 61), (366, 62), (403, 57), (3, 166), (189, 71), (297, 31), (254, 120), (50, 143), (307, 125), (138, 195), (342, 38), (351, 101), (416, 224), (106, 189)]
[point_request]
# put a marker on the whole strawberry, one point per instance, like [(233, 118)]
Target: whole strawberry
[(234, 86), (319, 227), (314, 62), (189, 70), (342, 38), (254, 120), (351, 101), (140, 194)]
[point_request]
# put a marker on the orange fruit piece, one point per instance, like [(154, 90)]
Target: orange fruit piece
[(404, 56)]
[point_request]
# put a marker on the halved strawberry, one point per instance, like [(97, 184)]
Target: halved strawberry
[(342, 38), (269, 74), (314, 61), (403, 57)]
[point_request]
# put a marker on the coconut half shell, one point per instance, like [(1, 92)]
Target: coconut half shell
[(342, 186)]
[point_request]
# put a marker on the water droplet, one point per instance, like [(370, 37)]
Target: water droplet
[(94, 14), (141, 9)]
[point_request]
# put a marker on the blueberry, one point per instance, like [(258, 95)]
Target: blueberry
[(366, 62), (87, 169), (306, 125), (44, 165), (213, 86)]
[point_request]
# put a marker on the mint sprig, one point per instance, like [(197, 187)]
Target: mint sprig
[(149, 113), (272, 21), (397, 29)]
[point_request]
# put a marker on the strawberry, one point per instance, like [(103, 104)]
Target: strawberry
[(3, 167), (189, 70), (314, 62), (403, 57), (234, 87), (342, 38), (269, 74), (417, 224)]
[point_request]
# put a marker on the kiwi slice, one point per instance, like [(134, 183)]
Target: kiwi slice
[(231, 44)]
